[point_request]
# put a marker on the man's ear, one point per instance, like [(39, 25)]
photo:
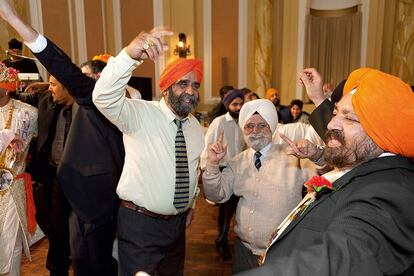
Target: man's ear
[(165, 92)]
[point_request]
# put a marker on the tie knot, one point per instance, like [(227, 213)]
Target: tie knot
[(179, 122), (257, 154)]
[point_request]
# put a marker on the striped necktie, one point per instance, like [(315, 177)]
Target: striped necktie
[(182, 176), (257, 162)]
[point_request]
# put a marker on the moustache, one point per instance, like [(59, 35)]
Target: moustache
[(185, 96), (335, 134)]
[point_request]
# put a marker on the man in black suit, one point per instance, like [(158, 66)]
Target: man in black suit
[(52, 208), (92, 160), (364, 226)]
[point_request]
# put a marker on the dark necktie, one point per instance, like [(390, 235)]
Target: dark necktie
[(257, 162), (182, 176)]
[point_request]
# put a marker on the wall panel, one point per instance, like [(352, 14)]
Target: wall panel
[(56, 23), (135, 17), (224, 31), (94, 28)]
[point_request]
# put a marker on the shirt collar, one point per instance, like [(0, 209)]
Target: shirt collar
[(228, 117), (264, 150)]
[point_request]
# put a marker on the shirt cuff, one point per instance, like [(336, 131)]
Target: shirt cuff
[(212, 169), (38, 45), (125, 61)]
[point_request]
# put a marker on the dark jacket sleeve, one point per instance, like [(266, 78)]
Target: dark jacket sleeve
[(66, 72), (321, 116)]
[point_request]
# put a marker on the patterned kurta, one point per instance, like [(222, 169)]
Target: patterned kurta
[(13, 198)]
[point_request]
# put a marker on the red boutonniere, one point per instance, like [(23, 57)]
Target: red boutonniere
[(319, 184)]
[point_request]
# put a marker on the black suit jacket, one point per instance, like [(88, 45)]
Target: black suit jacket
[(94, 153), (366, 227), (47, 115)]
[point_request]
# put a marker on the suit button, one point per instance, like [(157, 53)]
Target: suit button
[(251, 212)]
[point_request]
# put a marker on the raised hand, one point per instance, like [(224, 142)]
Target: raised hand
[(148, 45), (313, 83), (302, 148), (217, 151)]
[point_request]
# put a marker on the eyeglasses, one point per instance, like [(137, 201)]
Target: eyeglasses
[(183, 84), (250, 127)]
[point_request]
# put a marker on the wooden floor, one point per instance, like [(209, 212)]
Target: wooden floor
[(201, 257)]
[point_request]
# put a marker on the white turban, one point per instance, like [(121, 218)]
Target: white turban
[(264, 107)]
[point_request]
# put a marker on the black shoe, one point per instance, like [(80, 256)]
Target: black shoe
[(224, 252)]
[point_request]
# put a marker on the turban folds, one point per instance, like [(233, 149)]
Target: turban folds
[(384, 105), (231, 95), (264, 107), (103, 57), (177, 69)]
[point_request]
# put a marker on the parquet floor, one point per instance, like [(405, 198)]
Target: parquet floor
[(201, 257)]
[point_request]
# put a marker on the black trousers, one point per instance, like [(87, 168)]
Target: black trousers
[(53, 218), (244, 259), (226, 211), (91, 247), (153, 245)]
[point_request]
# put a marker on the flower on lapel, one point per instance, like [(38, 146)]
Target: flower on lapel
[(318, 184)]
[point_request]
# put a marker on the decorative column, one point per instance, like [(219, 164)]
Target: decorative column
[(263, 45)]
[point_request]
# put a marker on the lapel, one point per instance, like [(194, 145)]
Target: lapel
[(377, 164), (47, 110)]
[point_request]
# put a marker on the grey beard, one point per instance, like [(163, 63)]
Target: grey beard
[(258, 141)]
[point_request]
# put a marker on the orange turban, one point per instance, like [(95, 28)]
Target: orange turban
[(9, 78), (177, 69), (271, 91), (103, 57), (384, 105)]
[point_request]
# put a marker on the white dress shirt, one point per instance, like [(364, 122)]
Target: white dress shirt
[(148, 176)]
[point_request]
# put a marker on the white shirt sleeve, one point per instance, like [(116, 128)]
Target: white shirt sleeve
[(38, 45)]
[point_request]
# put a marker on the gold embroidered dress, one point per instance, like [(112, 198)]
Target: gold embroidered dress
[(22, 119)]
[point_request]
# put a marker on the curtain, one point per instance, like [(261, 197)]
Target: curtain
[(334, 43)]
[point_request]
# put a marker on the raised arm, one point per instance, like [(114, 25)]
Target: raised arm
[(52, 58), (109, 93)]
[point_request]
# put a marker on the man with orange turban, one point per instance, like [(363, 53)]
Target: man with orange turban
[(163, 142), (273, 95), (357, 220)]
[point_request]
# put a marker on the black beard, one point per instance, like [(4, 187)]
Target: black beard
[(179, 106), (235, 115), (361, 150)]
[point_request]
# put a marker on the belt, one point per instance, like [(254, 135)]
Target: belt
[(130, 205)]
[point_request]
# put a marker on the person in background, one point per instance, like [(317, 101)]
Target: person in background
[(23, 65), (296, 114), (219, 109), (55, 107), (17, 211), (93, 68), (249, 95), (233, 137), (273, 95)]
